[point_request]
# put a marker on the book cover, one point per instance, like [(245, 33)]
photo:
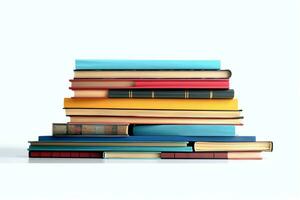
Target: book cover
[(131, 155), (235, 114), (111, 148), (172, 94), (183, 130), (65, 154), (167, 74), (212, 155), (163, 104), (234, 146), (149, 139), (95, 84), (89, 129), (153, 144), (107, 64), (155, 120)]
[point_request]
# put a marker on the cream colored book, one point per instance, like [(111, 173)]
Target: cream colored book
[(234, 146), (153, 120), (153, 113), (217, 74), (131, 155)]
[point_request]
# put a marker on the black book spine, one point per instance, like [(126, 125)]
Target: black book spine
[(172, 94)]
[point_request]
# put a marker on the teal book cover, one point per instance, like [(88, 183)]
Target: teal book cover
[(184, 130), (111, 148), (147, 64)]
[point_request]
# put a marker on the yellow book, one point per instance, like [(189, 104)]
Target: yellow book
[(163, 104)]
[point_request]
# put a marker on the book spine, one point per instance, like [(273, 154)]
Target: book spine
[(183, 130), (202, 155), (74, 138), (65, 154), (146, 64), (177, 94), (89, 129)]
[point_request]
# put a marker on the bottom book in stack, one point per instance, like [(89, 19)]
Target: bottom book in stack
[(137, 141)]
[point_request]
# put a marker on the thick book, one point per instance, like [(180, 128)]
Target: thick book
[(156, 104), (153, 144), (90, 129), (153, 113), (65, 154), (154, 120), (131, 155), (212, 155), (234, 146), (149, 139), (96, 84), (112, 148), (108, 64), (183, 130), (156, 93), (164, 74)]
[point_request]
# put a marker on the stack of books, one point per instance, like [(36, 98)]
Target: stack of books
[(163, 109)]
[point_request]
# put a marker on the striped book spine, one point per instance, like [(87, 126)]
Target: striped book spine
[(89, 129), (178, 94)]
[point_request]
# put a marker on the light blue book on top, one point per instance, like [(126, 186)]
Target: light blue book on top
[(147, 64), (184, 130)]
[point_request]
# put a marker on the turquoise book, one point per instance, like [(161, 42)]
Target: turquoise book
[(112, 148), (147, 64), (183, 130)]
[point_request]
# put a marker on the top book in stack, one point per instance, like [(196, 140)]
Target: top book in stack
[(163, 69)]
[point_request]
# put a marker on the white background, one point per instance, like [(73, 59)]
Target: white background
[(259, 40)]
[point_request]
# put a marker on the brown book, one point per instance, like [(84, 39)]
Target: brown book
[(153, 120), (233, 146), (213, 155), (90, 129)]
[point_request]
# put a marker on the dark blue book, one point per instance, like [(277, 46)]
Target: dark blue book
[(150, 139)]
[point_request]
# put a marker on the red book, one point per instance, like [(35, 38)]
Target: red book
[(94, 84), (213, 155), (65, 154)]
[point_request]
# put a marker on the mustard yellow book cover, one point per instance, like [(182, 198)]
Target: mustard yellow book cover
[(176, 104)]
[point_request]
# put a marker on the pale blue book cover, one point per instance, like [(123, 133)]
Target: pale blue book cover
[(184, 130), (147, 64)]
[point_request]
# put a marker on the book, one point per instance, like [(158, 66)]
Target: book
[(183, 130), (212, 155), (153, 113), (90, 129), (107, 64), (156, 93), (172, 94), (156, 104), (207, 74), (148, 139), (154, 120), (65, 154), (112, 148), (96, 84), (131, 155), (153, 144), (234, 146)]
